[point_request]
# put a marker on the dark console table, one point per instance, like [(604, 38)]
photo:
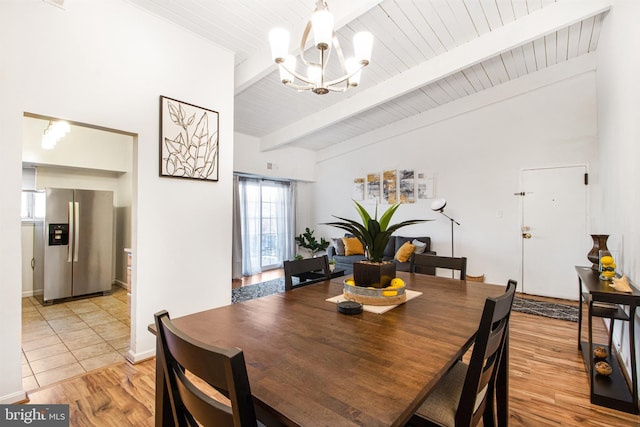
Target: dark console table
[(603, 301)]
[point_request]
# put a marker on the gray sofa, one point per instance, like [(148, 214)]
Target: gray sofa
[(344, 262)]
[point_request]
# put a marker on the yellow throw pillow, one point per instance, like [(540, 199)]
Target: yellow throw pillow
[(352, 246), (405, 252)]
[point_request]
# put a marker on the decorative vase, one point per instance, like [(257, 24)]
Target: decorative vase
[(599, 244), (373, 274)]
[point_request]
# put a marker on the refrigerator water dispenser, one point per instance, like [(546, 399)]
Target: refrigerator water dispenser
[(58, 234)]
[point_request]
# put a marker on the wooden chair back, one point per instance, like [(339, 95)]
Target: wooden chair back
[(426, 264), (223, 369), (308, 270), (479, 386)]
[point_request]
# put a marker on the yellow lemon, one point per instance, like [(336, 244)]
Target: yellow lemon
[(396, 283), (389, 293), (350, 282), (606, 259)]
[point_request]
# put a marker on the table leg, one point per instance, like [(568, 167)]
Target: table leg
[(632, 349), (589, 354), (579, 312)]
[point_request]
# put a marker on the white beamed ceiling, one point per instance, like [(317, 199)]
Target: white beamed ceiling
[(427, 53)]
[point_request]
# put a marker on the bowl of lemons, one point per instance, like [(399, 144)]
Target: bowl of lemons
[(391, 295)]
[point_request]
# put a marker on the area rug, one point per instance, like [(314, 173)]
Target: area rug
[(546, 309), (249, 292), (539, 308)]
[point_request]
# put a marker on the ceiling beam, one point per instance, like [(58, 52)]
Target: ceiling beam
[(524, 30), (260, 64)]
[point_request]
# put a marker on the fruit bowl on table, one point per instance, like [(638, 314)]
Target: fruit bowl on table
[(391, 295)]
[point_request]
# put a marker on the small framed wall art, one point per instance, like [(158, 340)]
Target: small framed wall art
[(189, 141)]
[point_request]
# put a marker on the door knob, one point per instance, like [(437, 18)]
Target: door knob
[(526, 235)]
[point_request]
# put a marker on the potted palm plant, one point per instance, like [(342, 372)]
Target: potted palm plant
[(374, 235)]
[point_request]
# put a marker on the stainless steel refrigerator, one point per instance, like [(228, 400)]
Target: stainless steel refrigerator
[(73, 244)]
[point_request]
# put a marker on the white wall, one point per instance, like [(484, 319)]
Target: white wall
[(477, 158), (106, 63), (619, 132), (291, 163)]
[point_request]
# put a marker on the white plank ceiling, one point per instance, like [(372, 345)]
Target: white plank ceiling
[(427, 53)]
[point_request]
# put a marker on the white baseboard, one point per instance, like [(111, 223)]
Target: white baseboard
[(26, 294), (140, 357), (17, 397)]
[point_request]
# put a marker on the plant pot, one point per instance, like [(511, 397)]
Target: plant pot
[(373, 274)]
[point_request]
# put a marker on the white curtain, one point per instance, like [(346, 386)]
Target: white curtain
[(249, 200), (236, 242), (287, 221), (248, 226)]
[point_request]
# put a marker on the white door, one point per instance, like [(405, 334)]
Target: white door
[(554, 230)]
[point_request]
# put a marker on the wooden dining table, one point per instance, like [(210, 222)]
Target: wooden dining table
[(309, 365)]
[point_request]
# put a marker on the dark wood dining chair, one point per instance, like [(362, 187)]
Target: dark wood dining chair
[(223, 369), (426, 264), (307, 270), (466, 393)]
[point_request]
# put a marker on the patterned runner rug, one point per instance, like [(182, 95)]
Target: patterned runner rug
[(539, 308), (547, 309)]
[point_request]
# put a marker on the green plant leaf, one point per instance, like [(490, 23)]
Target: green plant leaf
[(364, 215), (373, 234), (386, 216)]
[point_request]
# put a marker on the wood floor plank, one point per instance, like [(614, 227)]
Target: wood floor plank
[(548, 384)]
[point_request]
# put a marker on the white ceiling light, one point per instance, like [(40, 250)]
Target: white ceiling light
[(321, 24), (53, 133)]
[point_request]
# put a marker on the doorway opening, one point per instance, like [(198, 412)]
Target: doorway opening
[(64, 339), (264, 224)]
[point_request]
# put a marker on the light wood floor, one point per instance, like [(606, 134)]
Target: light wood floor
[(548, 384), (257, 278)]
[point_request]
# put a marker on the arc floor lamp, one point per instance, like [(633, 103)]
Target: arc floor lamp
[(438, 206)]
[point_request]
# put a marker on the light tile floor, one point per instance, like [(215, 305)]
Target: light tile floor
[(63, 340)]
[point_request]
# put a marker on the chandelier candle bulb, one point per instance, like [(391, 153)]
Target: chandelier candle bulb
[(279, 41), (314, 72), (287, 68), (353, 67), (322, 24), (363, 44)]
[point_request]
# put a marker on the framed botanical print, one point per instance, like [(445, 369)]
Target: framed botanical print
[(189, 141)]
